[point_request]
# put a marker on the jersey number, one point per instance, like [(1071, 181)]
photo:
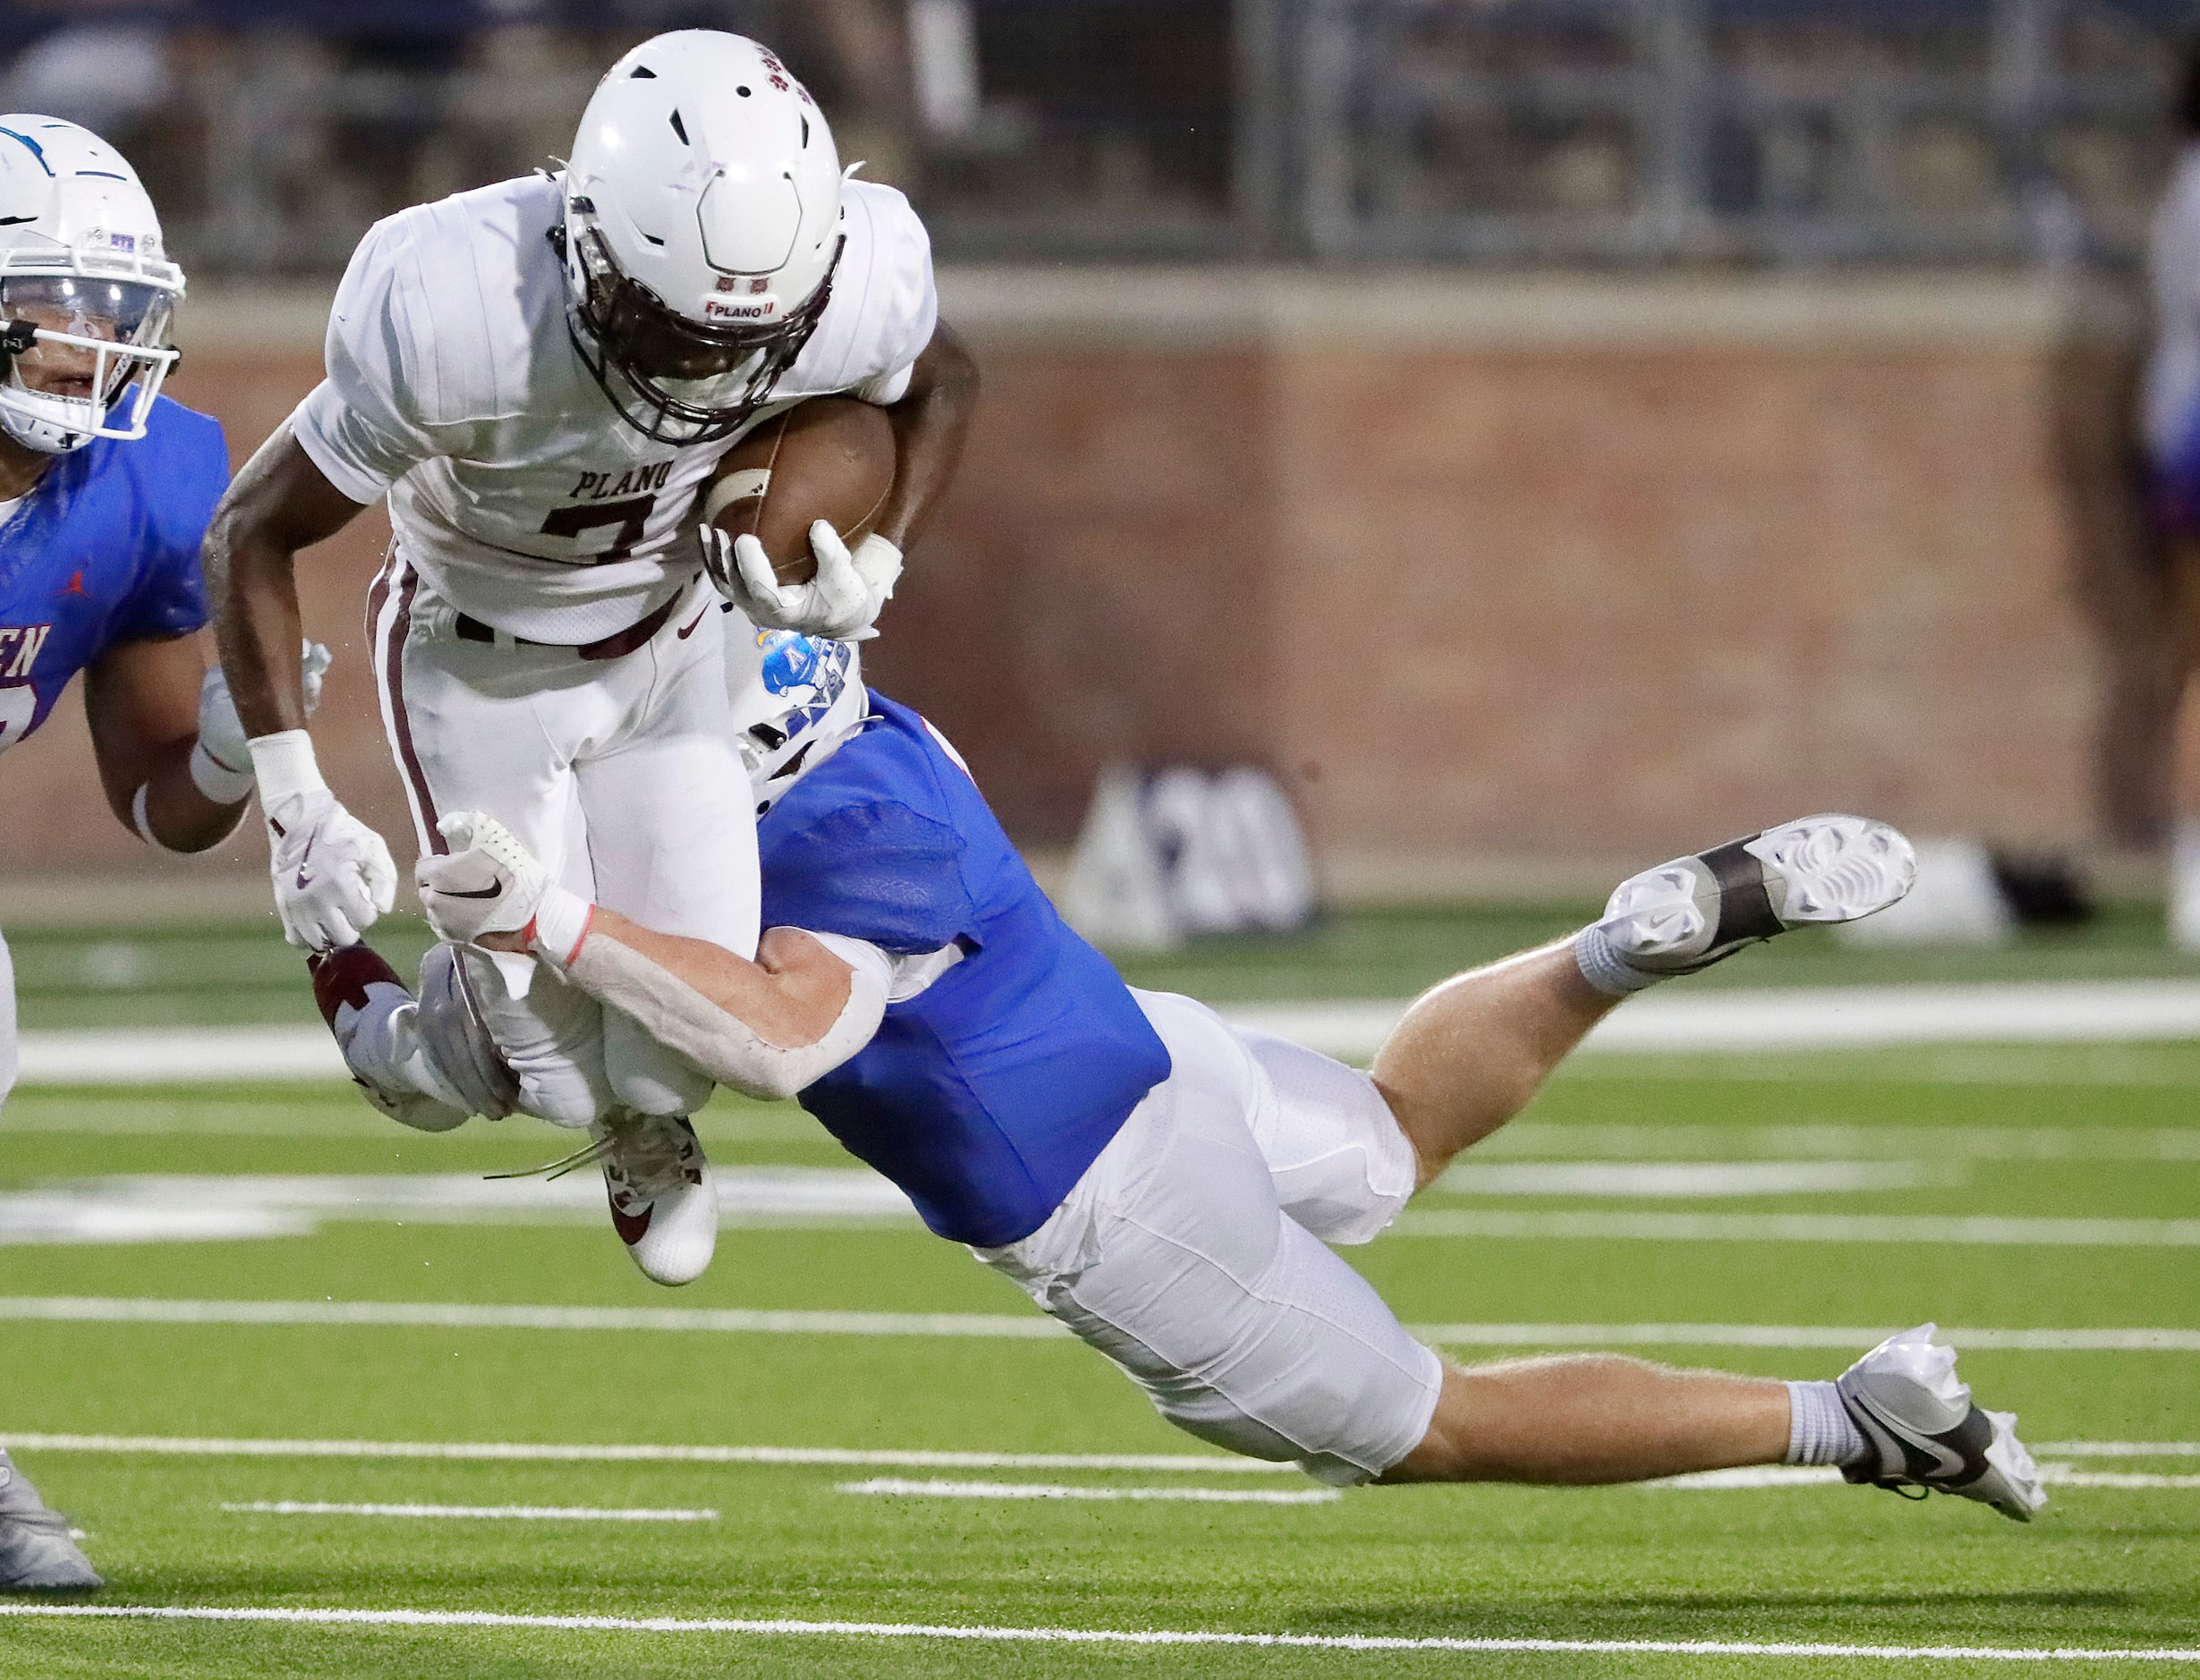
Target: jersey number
[(630, 516)]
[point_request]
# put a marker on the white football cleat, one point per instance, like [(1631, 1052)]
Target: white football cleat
[(663, 1204), (1692, 912), (36, 1552), (1922, 1430)]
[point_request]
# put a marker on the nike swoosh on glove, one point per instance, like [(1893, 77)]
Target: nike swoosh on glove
[(841, 601), (488, 882), (333, 874)]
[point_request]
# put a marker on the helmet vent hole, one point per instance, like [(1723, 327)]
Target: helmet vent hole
[(743, 92), (805, 130), (654, 240), (642, 72), (680, 128)]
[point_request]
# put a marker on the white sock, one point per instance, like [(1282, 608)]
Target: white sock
[(1820, 1430), (1603, 967)]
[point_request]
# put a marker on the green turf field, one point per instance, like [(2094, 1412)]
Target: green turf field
[(2050, 1136)]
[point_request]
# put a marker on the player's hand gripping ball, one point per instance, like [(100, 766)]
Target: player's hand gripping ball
[(786, 535), (488, 882), (333, 874)]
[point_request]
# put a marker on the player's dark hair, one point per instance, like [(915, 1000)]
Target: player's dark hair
[(2185, 89)]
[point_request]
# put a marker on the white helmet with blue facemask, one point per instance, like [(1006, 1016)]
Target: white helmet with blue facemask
[(87, 292)]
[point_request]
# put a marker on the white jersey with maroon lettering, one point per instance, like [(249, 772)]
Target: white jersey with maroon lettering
[(516, 491)]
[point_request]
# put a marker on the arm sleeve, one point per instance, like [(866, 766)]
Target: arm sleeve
[(359, 425), (723, 1045), (187, 479), (879, 872)]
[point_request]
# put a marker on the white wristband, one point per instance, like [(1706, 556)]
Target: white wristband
[(560, 927), (284, 764), (219, 783)]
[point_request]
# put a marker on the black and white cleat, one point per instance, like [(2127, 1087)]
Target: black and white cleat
[(1918, 1419), (1693, 911)]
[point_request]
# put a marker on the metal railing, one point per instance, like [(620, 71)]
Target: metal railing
[(1495, 132)]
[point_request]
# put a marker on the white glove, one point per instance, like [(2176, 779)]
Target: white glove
[(841, 601), (488, 883), (221, 763), (333, 874)]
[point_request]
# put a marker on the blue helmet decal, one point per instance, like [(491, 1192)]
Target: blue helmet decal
[(792, 661)]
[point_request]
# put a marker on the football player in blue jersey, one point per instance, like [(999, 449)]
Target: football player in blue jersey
[(105, 487), (1166, 1184)]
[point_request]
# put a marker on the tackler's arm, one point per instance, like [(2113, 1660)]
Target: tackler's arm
[(768, 1028)]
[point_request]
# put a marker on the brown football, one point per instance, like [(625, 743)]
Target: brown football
[(829, 458)]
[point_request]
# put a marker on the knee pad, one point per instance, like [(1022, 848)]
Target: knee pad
[(550, 1044), (451, 1028), (646, 1076)]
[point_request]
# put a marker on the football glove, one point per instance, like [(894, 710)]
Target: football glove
[(488, 882), (333, 874), (221, 763), (841, 601)]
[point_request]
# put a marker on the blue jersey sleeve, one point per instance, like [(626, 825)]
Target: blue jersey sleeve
[(875, 871), (182, 473)]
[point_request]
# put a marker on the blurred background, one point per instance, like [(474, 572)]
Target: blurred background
[(1544, 434)]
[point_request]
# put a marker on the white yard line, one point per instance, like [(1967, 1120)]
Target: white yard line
[(511, 1513), (472, 1316), (1014, 1327), (1805, 1227), (621, 1452), (1093, 1635), (1677, 1021), (1797, 1018), (1757, 1476), (895, 1487), (180, 1206), (177, 1056), (899, 1458), (2120, 1449)]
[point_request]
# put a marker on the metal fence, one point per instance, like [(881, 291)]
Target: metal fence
[(1507, 131)]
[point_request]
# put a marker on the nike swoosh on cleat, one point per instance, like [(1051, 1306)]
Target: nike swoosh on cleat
[(1927, 1457), (631, 1228), (492, 890)]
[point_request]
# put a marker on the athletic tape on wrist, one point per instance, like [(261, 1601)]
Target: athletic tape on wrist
[(220, 784), (560, 927), (284, 764)]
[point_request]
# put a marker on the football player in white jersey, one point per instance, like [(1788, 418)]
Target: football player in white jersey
[(540, 374)]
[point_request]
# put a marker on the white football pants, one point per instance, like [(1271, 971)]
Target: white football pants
[(645, 744), (1191, 1253)]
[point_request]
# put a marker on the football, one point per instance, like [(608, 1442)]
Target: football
[(829, 458)]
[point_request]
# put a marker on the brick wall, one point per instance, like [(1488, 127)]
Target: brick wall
[(1500, 575)]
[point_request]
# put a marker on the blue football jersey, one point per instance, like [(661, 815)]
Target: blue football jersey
[(104, 548), (986, 1095)]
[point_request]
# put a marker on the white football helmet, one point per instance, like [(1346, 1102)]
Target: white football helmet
[(87, 292), (702, 224)]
